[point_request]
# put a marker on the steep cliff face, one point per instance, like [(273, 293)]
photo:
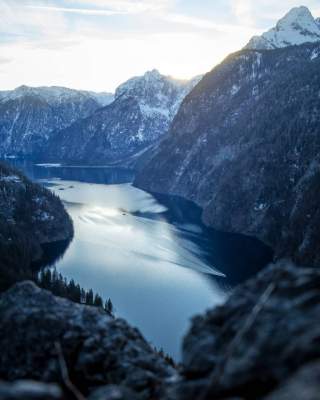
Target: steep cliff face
[(245, 146), (30, 216), (28, 116), (39, 329), (261, 344), (140, 115)]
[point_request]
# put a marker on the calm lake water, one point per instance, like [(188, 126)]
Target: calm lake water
[(150, 254)]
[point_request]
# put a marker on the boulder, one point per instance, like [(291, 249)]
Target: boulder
[(40, 333)]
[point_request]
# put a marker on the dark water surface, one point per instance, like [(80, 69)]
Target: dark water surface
[(150, 254)]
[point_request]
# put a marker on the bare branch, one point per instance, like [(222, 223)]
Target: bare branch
[(65, 373)]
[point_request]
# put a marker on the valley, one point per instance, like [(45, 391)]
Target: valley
[(160, 241), (152, 256)]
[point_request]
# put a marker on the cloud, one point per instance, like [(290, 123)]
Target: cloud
[(5, 60), (84, 11), (263, 14), (99, 43), (107, 7), (129, 6), (243, 9), (201, 23), (18, 23)]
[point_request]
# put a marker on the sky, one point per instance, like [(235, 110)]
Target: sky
[(98, 44)]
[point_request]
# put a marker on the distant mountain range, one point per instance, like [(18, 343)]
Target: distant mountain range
[(139, 116), (28, 116), (72, 126), (80, 126), (245, 145)]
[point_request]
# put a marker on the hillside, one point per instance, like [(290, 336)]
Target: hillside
[(245, 147), (30, 217)]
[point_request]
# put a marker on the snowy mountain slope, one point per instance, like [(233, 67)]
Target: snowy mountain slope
[(28, 116), (157, 94), (298, 26), (140, 115), (103, 98), (55, 94)]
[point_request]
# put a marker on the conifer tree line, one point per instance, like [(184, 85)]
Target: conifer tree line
[(53, 281)]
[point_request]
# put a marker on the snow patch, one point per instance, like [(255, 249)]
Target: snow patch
[(234, 90), (10, 178), (315, 54)]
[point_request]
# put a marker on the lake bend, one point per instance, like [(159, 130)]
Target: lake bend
[(149, 253)]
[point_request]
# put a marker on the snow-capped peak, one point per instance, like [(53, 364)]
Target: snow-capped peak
[(158, 96), (151, 85), (298, 26)]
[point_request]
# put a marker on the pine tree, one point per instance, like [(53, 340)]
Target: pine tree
[(109, 307), (97, 301), (83, 296), (89, 298)]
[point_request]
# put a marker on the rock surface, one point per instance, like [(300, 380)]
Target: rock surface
[(113, 392), (245, 147), (98, 350), (29, 390), (304, 384), (252, 346)]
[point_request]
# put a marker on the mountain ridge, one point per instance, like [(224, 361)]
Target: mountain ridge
[(298, 26), (139, 116), (252, 116)]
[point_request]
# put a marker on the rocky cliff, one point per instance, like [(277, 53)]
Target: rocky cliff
[(261, 344), (30, 217), (45, 338), (245, 147)]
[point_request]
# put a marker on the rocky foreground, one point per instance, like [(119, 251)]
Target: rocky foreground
[(43, 335), (263, 343)]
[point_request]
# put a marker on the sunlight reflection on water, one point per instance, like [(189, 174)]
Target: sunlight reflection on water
[(148, 268)]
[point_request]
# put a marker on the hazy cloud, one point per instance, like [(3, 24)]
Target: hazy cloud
[(107, 7), (84, 11), (201, 23), (5, 60), (97, 44), (262, 13)]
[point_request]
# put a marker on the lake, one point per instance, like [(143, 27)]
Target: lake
[(150, 254)]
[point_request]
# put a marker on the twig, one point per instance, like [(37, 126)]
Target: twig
[(65, 373)]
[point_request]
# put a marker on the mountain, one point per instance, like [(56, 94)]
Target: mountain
[(295, 28), (103, 98), (55, 94), (28, 116), (139, 116), (245, 146)]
